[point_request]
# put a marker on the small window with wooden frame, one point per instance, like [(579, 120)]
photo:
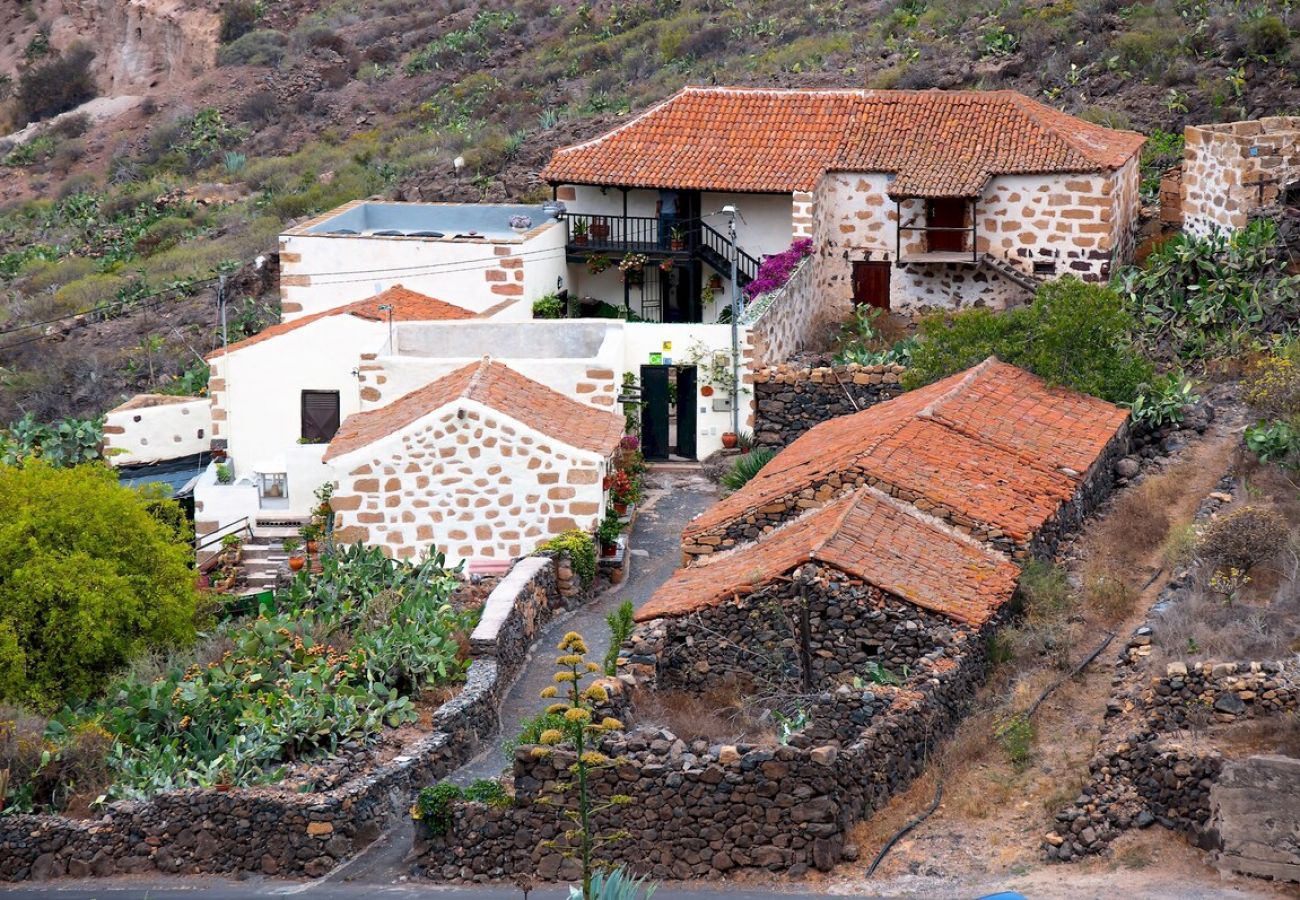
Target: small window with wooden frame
[(320, 416)]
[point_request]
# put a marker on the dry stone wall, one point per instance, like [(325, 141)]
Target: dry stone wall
[(278, 832), (812, 632), (791, 399), (704, 811), (1235, 169), (470, 483)]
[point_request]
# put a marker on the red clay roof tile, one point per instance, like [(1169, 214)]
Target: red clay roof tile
[(868, 535), (499, 387), (994, 444), (408, 306), (936, 143)]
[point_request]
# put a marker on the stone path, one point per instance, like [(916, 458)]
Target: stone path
[(672, 498)]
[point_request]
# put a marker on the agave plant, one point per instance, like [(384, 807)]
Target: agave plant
[(745, 468), (615, 884)]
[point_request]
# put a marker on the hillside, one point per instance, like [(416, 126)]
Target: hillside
[(218, 123)]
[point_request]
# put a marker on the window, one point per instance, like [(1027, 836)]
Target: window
[(320, 416), (1045, 267)]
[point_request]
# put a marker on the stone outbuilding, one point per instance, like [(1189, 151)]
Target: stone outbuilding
[(481, 463), (994, 451), (1236, 171), (865, 579)]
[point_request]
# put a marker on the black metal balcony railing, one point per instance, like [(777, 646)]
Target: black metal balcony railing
[(590, 233)]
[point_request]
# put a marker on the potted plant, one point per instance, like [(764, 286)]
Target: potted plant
[(225, 474), (730, 440), (521, 223), (706, 390), (632, 267), (608, 532), (666, 265), (310, 534), (677, 238), (599, 228), (291, 547), (715, 282), (580, 232), (622, 492), (232, 549), (597, 264)]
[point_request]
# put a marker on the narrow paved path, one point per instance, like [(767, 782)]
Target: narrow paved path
[(672, 498)]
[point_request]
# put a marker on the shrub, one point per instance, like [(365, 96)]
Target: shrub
[(1272, 385), (434, 807), (260, 107), (581, 550), (746, 467), (88, 580), (620, 624), (1074, 334), (238, 17), (1202, 298), (1244, 537), (1267, 35), (56, 86), (1016, 736), (531, 731), (549, 306), (1162, 401), (776, 269), (262, 47), (488, 791)]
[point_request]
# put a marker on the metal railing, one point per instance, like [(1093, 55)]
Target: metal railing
[(627, 233), (715, 243), (965, 232), (217, 535)]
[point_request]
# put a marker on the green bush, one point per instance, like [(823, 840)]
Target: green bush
[(1266, 35), (746, 467), (238, 18), (56, 86), (262, 47), (434, 806), (581, 550), (488, 791), (530, 731), (549, 306), (1205, 298), (67, 442), (1073, 334), (1016, 736), (89, 579)]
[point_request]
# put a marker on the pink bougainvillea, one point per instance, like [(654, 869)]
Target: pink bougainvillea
[(776, 270)]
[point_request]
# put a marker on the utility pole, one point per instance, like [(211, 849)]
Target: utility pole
[(735, 319)]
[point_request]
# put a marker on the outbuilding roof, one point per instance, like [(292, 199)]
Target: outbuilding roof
[(494, 385), (869, 535), (935, 143), (407, 306), (993, 444)]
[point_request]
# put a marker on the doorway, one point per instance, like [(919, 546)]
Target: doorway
[(668, 412), (871, 284), (948, 213)]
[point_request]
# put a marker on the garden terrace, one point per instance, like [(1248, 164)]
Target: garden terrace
[(994, 451)]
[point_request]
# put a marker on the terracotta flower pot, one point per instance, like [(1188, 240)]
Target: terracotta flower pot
[(729, 440), (608, 482), (608, 550), (296, 563), (580, 240), (620, 508), (706, 390), (599, 230), (678, 245), (313, 546)]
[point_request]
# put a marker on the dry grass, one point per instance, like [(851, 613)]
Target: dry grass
[(723, 715)]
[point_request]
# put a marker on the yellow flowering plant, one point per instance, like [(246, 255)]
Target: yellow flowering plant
[(580, 731)]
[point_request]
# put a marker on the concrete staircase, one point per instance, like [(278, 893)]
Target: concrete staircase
[(264, 557)]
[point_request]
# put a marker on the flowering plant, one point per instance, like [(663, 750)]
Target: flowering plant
[(630, 442), (775, 270), (632, 266), (666, 265)]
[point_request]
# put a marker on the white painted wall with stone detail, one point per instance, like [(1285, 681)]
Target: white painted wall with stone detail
[(469, 481), (153, 427)]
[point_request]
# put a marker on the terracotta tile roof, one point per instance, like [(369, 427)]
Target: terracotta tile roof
[(408, 306), (994, 444), (868, 535), (937, 143), (494, 385)]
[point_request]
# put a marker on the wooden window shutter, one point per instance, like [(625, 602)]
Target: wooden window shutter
[(320, 415)]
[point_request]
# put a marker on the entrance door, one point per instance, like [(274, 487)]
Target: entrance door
[(946, 212), (654, 412), (686, 400), (871, 284)]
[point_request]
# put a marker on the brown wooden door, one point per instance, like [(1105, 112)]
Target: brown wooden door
[(871, 284), (946, 212), (320, 416)]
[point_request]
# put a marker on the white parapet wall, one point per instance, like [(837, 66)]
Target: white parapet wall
[(151, 428)]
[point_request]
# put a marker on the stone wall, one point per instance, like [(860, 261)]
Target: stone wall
[(703, 811), (279, 832), (810, 633), (1079, 224), (792, 319), (470, 483), (1235, 169), (789, 400)]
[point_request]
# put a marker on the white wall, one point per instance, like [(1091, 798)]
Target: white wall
[(154, 427), (764, 225), (644, 338), (475, 274), (262, 385)]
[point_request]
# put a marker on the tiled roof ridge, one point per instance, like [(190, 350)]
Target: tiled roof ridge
[(1073, 137), (799, 521), (932, 521), (928, 411), (480, 376)]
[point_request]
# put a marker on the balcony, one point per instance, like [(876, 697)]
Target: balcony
[(590, 235), (944, 234)]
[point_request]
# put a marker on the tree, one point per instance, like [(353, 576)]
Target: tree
[(1074, 334), (56, 86), (90, 577)]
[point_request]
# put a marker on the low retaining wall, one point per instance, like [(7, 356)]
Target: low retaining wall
[(788, 400), (789, 319), (1255, 812), (281, 833)]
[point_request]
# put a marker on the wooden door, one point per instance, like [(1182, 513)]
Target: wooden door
[(871, 284), (946, 213), (654, 412)]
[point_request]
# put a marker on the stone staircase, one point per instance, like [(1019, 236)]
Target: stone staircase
[(1016, 276), (264, 557)]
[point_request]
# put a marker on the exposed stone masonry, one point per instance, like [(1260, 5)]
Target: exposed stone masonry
[(791, 399)]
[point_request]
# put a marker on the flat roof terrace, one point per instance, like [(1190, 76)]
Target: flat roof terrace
[(427, 221)]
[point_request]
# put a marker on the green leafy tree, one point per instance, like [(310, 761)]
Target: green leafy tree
[(1073, 334), (90, 577)]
